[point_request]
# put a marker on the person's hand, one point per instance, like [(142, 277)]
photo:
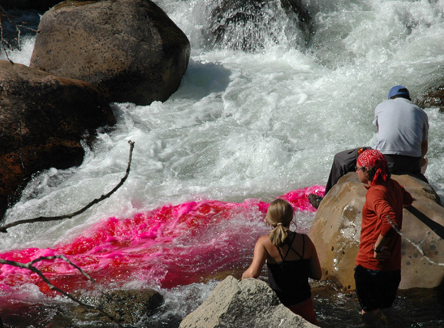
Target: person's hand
[(382, 255)]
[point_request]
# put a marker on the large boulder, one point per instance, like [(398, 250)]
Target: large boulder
[(248, 303), (129, 49), (43, 119), (337, 225)]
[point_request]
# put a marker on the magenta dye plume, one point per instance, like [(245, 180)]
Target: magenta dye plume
[(169, 246)]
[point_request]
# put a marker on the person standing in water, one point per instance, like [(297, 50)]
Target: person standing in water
[(378, 263), (291, 259)]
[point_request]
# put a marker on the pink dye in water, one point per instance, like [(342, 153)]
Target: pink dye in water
[(169, 246)]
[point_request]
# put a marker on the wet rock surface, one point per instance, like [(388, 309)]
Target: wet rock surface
[(337, 225), (126, 306), (44, 119), (129, 307), (248, 24), (432, 98)]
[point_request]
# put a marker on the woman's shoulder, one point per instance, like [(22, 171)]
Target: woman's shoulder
[(301, 238), (388, 186), (306, 238), (264, 240), (379, 188)]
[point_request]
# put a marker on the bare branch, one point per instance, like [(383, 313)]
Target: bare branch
[(4, 43), (418, 246), (30, 266), (69, 216), (18, 25), (434, 226)]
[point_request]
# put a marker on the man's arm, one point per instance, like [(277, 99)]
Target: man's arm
[(424, 149)]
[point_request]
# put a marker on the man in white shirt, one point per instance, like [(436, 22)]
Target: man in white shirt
[(402, 138), (402, 132)]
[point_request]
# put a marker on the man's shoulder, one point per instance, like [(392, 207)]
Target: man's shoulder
[(383, 104), (399, 104)]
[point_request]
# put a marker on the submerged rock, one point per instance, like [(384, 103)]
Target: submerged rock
[(43, 120), (433, 97), (248, 303), (337, 225), (129, 49), (248, 24), (126, 306)]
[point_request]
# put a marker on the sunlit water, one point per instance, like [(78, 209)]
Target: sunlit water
[(244, 128)]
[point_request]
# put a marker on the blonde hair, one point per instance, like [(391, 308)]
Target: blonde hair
[(279, 215)]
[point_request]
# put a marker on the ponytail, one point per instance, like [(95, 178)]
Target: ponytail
[(279, 215), (278, 235)]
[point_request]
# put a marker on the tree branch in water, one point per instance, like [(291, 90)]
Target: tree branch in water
[(69, 216), (418, 246), (17, 24), (30, 266)]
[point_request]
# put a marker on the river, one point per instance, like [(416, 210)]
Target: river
[(260, 113)]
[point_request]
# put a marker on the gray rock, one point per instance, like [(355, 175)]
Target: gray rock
[(125, 306), (248, 303), (245, 24), (43, 120), (433, 97), (337, 225), (129, 49)]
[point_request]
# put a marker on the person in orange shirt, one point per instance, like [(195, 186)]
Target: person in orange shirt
[(378, 263), (291, 259)]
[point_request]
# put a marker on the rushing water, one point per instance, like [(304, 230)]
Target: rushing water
[(259, 114)]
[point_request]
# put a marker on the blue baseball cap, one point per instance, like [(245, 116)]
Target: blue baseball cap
[(399, 90)]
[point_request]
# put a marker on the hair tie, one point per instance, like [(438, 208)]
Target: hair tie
[(280, 223)]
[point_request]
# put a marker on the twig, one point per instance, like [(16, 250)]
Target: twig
[(416, 245), (69, 216), (434, 226), (2, 40), (20, 24), (30, 266)]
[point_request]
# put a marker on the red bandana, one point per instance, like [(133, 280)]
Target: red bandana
[(372, 158)]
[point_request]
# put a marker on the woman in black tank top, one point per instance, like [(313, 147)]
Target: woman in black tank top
[(291, 259)]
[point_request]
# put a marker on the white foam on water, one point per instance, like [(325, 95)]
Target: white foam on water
[(249, 124)]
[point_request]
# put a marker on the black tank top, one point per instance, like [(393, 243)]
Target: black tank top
[(289, 279)]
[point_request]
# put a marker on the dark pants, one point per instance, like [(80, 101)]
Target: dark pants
[(376, 289), (345, 161), (399, 164)]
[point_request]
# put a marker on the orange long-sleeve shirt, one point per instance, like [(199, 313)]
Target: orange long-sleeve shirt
[(382, 200)]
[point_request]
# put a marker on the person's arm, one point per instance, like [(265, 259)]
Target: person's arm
[(259, 258), (380, 253), (424, 149), (387, 230), (314, 266), (388, 218)]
